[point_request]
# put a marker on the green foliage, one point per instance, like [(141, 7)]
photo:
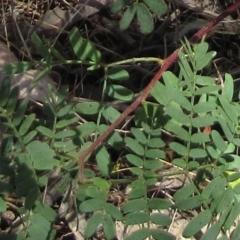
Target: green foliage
[(36, 145), (144, 12), (200, 103)]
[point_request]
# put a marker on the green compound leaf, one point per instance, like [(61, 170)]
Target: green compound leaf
[(3, 205), (207, 90), (94, 67), (40, 47), (62, 95), (25, 178), (68, 146), (235, 210), (217, 197), (155, 153), (19, 67), (26, 124), (65, 134), (134, 205), (50, 112), (204, 121), (139, 135), (115, 140), (189, 203), (159, 234), (157, 7), (223, 237), (101, 183), (179, 162), (214, 188), (39, 227), (84, 49), (204, 80), (181, 100), (149, 174), (236, 141), (95, 192), (224, 214), (12, 101), (46, 211), (218, 141), (90, 52), (200, 51), (31, 197), (18, 116), (117, 74), (228, 128), (225, 200), (197, 223), (67, 109), (45, 131), (152, 164), (158, 203), (170, 80), (160, 219), (161, 93), (128, 16), (110, 114), (46, 71), (92, 224), (92, 205), (119, 92), (136, 218), (118, 5), (86, 129), (205, 60), (228, 87), (158, 143), (140, 234), (134, 160), (5, 91), (29, 137), (201, 57), (212, 152), (229, 108), (88, 108), (186, 70), (136, 170), (138, 183), (113, 211), (193, 165), (103, 160), (204, 107), (137, 193), (179, 148), (184, 192), (236, 233), (41, 155), (197, 153), (178, 130), (212, 232), (200, 137), (145, 19), (178, 115), (134, 146), (108, 227)]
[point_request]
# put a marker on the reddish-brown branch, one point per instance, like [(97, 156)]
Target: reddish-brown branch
[(167, 63)]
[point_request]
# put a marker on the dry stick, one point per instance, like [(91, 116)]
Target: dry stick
[(167, 63)]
